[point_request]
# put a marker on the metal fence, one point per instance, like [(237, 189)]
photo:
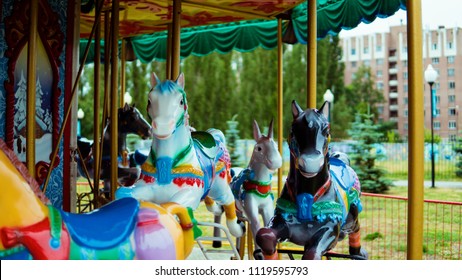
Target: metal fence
[(384, 228)]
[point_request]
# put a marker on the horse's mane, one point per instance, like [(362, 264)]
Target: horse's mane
[(22, 169)]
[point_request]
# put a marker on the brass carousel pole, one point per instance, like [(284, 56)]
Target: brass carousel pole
[(31, 82), (68, 110), (96, 110), (416, 132), (176, 26), (122, 72), (169, 53), (279, 105), (114, 88), (311, 42)]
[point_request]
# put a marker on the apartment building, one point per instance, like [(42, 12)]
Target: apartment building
[(387, 56)]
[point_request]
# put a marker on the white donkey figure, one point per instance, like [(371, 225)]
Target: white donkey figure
[(252, 186), (183, 166)]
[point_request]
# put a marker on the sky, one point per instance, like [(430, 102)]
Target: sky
[(434, 14)]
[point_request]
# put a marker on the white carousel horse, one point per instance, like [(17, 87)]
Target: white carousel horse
[(183, 166), (252, 186)]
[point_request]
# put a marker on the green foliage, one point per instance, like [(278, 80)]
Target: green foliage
[(232, 135), (373, 236), (458, 150), (428, 137), (363, 97), (365, 135)]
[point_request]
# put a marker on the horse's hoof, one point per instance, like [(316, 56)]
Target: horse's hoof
[(215, 209), (258, 255), (234, 228)]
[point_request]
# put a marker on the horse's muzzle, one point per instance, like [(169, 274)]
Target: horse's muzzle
[(310, 165)]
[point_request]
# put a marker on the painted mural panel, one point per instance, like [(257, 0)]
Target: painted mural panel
[(50, 81)]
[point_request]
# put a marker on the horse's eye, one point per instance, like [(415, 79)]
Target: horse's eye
[(259, 149), (181, 102)]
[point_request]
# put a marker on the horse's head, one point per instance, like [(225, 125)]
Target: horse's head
[(167, 106), (309, 138), (132, 121), (265, 150)]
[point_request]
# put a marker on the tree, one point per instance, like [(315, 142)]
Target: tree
[(363, 97), (365, 135), (458, 150)]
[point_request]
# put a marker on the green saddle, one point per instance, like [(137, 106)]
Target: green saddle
[(206, 143)]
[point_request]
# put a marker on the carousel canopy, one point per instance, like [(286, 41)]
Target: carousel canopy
[(226, 25)]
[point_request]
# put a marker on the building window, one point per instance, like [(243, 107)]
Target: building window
[(405, 126), (366, 50), (452, 125), (353, 51), (436, 125), (434, 46), (379, 61), (353, 64), (437, 99), (404, 49), (379, 73), (451, 72), (452, 112), (378, 48), (405, 63), (405, 100), (405, 88), (367, 62), (452, 85), (435, 60), (380, 85), (404, 75), (449, 45), (437, 112), (452, 137), (406, 113), (451, 98), (451, 59)]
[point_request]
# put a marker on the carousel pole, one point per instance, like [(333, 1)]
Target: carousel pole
[(279, 105), (416, 132), (31, 90), (176, 26), (311, 42), (122, 73), (96, 110), (114, 89), (69, 109), (168, 56)]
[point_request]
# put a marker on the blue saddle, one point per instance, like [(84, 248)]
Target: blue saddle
[(105, 227)]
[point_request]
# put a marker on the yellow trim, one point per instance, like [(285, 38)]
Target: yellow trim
[(186, 168)]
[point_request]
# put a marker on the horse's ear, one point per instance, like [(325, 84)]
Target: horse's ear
[(270, 129), (154, 80), (325, 109), (296, 110), (180, 80), (126, 107), (256, 131)]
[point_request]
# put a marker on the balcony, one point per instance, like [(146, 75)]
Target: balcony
[(393, 83), (393, 95), (392, 58), (393, 71), (394, 119), (393, 107)]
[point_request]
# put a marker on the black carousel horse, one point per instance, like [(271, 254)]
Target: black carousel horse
[(131, 121), (320, 201)]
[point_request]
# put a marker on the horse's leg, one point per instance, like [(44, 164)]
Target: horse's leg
[(221, 193), (251, 203), (139, 191), (268, 237), (212, 206), (354, 237), (321, 241)]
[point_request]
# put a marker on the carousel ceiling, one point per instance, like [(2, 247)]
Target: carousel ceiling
[(225, 25), (149, 16)]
